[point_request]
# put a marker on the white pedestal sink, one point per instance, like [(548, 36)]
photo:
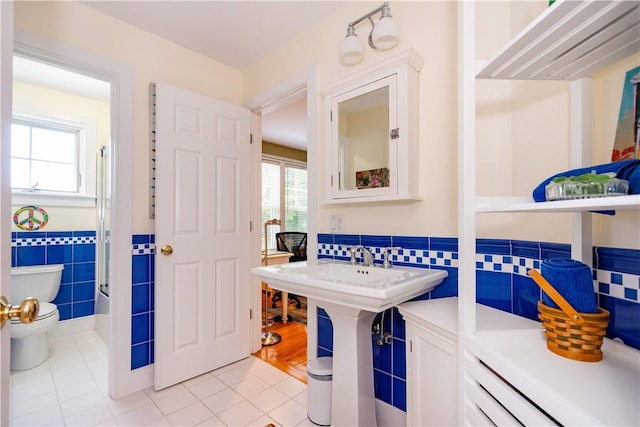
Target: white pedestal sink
[(351, 295)]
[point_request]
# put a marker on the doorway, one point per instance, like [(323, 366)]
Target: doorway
[(119, 77), (301, 87), (61, 145)]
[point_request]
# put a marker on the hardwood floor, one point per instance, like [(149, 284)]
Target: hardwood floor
[(290, 354)]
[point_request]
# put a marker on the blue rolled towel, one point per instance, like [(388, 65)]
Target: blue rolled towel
[(573, 280), (627, 169)]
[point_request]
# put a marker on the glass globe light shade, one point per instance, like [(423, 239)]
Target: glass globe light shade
[(385, 34), (351, 50)]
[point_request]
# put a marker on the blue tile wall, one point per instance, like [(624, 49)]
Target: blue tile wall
[(502, 283), (76, 250), (142, 300)]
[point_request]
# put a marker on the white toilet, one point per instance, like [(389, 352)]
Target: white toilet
[(28, 341)]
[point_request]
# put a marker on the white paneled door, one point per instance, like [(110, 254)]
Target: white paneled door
[(202, 295)]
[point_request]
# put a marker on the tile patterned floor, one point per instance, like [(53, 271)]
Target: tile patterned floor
[(69, 389)]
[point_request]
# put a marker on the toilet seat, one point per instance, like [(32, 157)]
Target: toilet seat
[(46, 310)]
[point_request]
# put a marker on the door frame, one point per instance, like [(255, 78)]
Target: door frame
[(303, 84), (121, 380)]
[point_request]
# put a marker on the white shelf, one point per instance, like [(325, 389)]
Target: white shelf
[(570, 40), (526, 204), (574, 393)]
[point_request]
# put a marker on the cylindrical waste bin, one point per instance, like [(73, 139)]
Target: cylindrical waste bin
[(319, 382)]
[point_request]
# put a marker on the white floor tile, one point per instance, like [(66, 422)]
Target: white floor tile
[(90, 417), (206, 388), (241, 414), (254, 365), (140, 416), (128, 403), (82, 403), (33, 404), (161, 422), (30, 391), (192, 415), (262, 422), (233, 375), (155, 395), (302, 398), (222, 400), (250, 387), (41, 417), (78, 389), (111, 422), (291, 387), (268, 399), (212, 422), (272, 375), (289, 414), (175, 401)]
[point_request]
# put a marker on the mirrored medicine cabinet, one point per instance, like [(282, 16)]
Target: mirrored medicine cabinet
[(373, 132)]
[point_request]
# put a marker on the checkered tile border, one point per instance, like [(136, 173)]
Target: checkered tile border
[(618, 285), (417, 257), (144, 249), (52, 241)]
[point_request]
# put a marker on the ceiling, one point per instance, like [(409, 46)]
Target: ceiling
[(236, 33)]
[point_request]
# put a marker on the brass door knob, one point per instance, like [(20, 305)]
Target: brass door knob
[(166, 250), (27, 312)]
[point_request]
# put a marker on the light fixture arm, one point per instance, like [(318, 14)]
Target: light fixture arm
[(369, 15)]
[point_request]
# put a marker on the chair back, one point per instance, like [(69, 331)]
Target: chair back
[(294, 242)]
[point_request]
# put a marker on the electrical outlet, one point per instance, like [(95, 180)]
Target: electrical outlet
[(336, 222)]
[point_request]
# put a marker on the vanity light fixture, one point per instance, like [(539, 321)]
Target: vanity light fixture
[(383, 35)]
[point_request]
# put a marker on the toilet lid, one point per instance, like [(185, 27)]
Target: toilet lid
[(47, 309)]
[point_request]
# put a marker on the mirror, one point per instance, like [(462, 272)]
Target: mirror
[(363, 130)]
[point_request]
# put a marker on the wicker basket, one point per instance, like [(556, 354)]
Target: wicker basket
[(568, 339), (570, 334)]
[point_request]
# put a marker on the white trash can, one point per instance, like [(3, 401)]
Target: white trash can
[(320, 375)]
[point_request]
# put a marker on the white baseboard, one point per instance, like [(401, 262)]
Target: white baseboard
[(389, 416), (72, 326)]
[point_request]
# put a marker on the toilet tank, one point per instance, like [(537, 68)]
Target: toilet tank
[(39, 281)]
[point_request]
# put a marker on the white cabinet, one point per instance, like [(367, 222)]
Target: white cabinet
[(571, 40), (432, 366), (372, 130)]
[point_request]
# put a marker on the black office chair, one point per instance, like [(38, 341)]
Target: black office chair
[(294, 242)]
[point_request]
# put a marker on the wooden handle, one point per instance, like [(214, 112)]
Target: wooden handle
[(556, 297)]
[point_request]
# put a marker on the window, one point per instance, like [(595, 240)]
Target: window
[(284, 196), (47, 159), (44, 157)]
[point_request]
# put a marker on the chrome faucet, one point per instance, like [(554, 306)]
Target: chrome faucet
[(386, 262), (367, 258)]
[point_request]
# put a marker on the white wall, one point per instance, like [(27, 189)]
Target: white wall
[(523, 127), (152, 58)]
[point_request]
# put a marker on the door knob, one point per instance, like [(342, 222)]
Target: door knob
[(27, 312), (166, 250)]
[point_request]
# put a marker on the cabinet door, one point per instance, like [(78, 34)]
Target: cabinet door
[(364, 160), (432, 379)]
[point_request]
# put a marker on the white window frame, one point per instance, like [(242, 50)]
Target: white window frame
[(283, 162), (86, 195)]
